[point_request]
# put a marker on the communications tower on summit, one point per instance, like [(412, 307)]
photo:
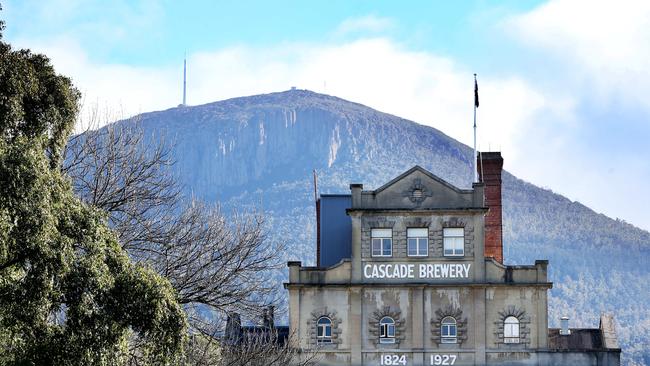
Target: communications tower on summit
[(184, 103), (184, 81)]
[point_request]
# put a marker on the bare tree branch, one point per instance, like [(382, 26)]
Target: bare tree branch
[(260, 347), (116, 169), (215, 261)]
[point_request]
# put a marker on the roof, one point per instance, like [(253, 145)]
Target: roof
[(425, 172), (277, 335), (580, 339), (335, 195)]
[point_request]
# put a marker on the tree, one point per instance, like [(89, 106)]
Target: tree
[(223, 262), (265, 350), (263, 345), (216, 262), (115, 169), (68, 292)]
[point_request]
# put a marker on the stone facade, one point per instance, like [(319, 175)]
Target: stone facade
[(473, 293)]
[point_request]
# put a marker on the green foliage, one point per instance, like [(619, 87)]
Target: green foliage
[(35, 100), (68, 293), (2, 25)]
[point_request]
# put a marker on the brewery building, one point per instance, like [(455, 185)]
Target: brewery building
[(412, 273)]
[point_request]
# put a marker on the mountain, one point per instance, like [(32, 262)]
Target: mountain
[(260, 151)]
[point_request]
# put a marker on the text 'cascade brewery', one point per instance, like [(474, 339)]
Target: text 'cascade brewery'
[(412, 273), (420, 271)]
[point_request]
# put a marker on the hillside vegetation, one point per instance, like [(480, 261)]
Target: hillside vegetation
[(260, 151)]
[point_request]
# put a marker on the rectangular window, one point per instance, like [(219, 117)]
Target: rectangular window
[(382, 242), (454, 241), (511, 330), (417, 242), (448, 333), (324, 331)]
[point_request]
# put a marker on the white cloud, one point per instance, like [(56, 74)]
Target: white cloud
[(377, 72), (603, 50), (367, 23), (123, 89), (606, 44), (416, 85), (536, 129)]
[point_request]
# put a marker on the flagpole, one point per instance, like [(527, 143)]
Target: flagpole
[(475, 102)]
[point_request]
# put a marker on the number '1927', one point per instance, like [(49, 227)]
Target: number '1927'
[(443, 359)]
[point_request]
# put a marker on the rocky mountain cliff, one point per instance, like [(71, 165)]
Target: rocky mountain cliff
[(260, 151)]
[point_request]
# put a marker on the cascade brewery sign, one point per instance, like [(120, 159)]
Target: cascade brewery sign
[(423, 271)]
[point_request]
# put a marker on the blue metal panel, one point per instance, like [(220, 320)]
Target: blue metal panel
[(335, 228)]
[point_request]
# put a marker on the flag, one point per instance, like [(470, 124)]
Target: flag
[(475, 92)]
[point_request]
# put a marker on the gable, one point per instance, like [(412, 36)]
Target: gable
[(417, 188)]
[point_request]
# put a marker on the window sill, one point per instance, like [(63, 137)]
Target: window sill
[(391, 341)]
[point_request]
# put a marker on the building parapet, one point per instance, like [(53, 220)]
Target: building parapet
[(496, 273)]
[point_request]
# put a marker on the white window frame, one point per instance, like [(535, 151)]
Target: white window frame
[(387, 330), (447, 324), (451, 238), (511, 327), (321, 330), (421, 237), (381, 236)]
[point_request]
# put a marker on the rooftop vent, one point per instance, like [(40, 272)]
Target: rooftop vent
[(564, 326)]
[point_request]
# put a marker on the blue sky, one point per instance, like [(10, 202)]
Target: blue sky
[(157, 32), (564, 84)]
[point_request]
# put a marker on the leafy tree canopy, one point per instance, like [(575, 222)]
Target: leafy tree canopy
[(68, 292)]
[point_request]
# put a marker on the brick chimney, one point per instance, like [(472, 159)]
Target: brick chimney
[(490, 166)]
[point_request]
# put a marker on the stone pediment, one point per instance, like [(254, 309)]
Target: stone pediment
[(418, 188)]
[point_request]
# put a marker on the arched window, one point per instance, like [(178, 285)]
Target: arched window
[(511, 330), (448, 330), (387, 330), (324, 330)]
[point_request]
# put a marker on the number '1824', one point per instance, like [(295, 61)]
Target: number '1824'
[(392, 360)]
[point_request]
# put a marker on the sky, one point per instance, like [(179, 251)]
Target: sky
[(564, 85)]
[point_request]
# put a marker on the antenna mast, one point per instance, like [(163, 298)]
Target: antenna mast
[(315, 186), (184, 80)]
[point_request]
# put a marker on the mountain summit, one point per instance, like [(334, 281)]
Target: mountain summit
[(260, 150), (265, 139)]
